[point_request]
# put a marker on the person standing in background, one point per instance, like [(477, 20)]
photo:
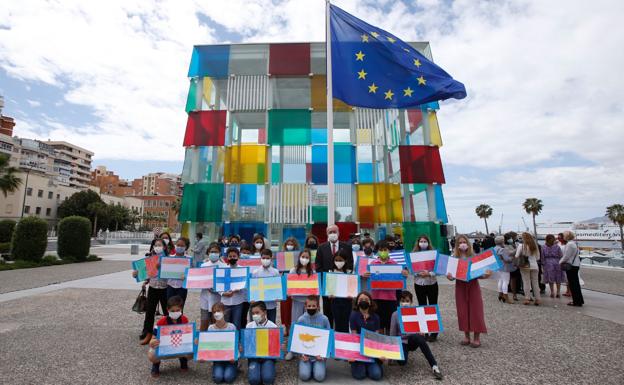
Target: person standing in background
[(199, 249), (571, 257)]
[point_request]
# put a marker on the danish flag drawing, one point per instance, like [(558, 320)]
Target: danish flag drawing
[(420, 319)]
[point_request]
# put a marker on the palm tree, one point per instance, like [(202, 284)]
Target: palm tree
[(616, 215), (176, 206), (96, 208), (533, 206), (484, 211), (8, 181)]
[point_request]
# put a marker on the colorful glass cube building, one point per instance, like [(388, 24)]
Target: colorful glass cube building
[(256, 151)]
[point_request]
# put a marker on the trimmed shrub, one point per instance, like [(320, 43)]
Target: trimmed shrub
[(6, 230), (5, 247), (74, 238), (30, 239)]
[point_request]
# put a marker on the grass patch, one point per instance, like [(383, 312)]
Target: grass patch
[(48, 260)]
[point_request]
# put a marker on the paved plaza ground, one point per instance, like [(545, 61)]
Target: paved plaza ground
[(82, 331)]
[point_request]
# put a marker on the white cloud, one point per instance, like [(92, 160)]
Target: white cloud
[(33, 103)]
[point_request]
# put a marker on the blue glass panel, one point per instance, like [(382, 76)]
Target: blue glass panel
[(344, 163), (365, 173), (248, 195), (319, 173), (210, 60), (440, 205), (245, 229), (298, 233), (319, 136), (431, 106), (319, 154)]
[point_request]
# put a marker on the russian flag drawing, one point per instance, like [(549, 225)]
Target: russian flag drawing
[(458, 268), (266, 289), (262, 342), (377, 345), (199, 278), (301, 284), (226, 278), (386, 277), (217, 346), (173, 267), (347, 347), (420, 319), (422, 260), (175, 339), (487, 260)]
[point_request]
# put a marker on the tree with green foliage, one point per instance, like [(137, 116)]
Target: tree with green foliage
[(484, 212), (616, 215), (78, 204), (533, 206), (9, 182), (7, 226), (74, 238), (96, 209), (30, 239)]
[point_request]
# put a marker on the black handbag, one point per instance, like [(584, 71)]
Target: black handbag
[(140, 304)]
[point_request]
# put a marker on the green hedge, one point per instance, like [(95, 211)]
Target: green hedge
[(6, 230), (5, 247), (74, 238), (30, 239)]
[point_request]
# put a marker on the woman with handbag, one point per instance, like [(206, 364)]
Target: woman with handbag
[(571, 263), (527, 256), (553, 275)]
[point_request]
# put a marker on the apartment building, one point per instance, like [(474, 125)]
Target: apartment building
[(73, 162)]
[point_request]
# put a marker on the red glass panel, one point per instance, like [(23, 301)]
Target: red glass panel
[(205, 128), (346, 229), (289, 59), (366, 214), (320, 230), (420, 164), (415, 119)]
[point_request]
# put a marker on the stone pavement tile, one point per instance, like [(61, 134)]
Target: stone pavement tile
[(339, 372), (605, 280)]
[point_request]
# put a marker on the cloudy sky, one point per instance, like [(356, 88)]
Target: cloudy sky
[(543, 117)]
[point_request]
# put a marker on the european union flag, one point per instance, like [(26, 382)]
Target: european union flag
[(373, 68)]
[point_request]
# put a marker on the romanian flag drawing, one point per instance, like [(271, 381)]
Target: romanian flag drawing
[(226, 278), (341, 285), (199, 278), (266, 289), (175, 339), (377, 345), (373, 68), (347, 347), (422, 261), (487, 260), (146, 267), (386, 277), (262, 342), (173, 267), (457, 267), (286, 260), (302, 284), (217, 346), (420, 319)]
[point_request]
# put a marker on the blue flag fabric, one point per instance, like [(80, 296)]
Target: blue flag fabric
[(373, 68)]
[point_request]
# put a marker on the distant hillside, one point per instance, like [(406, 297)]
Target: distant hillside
[(597, 220)]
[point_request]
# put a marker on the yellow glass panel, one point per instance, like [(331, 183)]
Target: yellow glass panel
[(207, 90), (383, 198), (186, 229), (366, 194), (246, 163), (436, 138), (318, 95), (364, 136)]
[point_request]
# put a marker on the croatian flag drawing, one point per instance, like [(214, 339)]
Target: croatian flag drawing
[(266, 289), (175, 339), (199, 278), (386, 277), (422, 261), (226, 279), (487, 260), (458, 268), (420, 319)]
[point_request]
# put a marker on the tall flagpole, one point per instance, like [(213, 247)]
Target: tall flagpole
[(331, 201)]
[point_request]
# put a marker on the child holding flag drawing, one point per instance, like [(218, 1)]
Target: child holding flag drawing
[(425, 282), (222, 371), (267, 270), (363, 316), (233, 299), (298, 305), (260, 371), (341, 307), (174, 286), (208, 297), (310, 367)]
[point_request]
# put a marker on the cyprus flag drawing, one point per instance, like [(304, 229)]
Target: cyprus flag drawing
[(310, 340)]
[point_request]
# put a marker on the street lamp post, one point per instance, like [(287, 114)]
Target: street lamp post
[(25, 190)]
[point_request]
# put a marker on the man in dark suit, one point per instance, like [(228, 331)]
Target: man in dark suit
[(325, 261)]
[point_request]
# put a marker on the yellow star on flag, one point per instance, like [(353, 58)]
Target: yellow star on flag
[(421, 81), (408, 91), (359, 56), (362, 74), (365, 38), (375, 34), (391, 40), (417, 62), (372, 89), (389, 94)]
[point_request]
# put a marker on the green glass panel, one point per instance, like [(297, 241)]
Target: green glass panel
[(289, 127), (191, 99), (412, 230), (319, 214), (275, 173), (202, 202), (419, 187)]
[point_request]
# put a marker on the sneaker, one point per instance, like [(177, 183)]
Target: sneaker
[(155, 370), (289, 356), (436, 372), (183, 364)]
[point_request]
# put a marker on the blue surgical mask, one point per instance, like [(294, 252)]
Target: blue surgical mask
[(355, 247), (214, 257), (180, 249)]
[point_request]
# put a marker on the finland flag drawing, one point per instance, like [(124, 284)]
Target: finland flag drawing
[(226, 279)]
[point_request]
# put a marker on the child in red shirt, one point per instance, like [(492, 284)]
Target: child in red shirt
[(174, 307)]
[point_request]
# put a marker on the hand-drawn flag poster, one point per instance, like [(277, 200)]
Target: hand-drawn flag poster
[(347, 347), (458, 268), (286, 260), (377, 345), (230, 278), (146, 267), (386, 277), (217, 346), (422, 261), (362, 264), (302, 284), (175, 340), (420, 319), (398, 256), (310, 340), (341, 285), (487, 260), (199, 278), (253, 261), (266, 289), (173, 267), (262, 342)]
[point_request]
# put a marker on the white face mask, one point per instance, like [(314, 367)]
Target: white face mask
[(304, 261), (339, 265), (333, 237), (166, 241), (290, 247), (158, 249), (355, 247), (405, 304), (463, 246), (174, 315), (257, 318), (266, 262), (258, 245), (218, 316), (214, 257), (423, 245)]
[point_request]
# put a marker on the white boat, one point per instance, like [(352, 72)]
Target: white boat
[(584, 231)]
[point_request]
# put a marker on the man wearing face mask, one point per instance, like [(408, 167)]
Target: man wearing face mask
[(325, 260)]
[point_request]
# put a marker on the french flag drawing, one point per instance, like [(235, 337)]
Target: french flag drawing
[(420, 319), (422, 261), (487, 260), (458, 268)]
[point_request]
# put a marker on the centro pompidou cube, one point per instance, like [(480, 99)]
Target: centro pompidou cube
[(256, 151)]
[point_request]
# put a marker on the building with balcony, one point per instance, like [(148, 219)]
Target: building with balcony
[(73, 162)]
